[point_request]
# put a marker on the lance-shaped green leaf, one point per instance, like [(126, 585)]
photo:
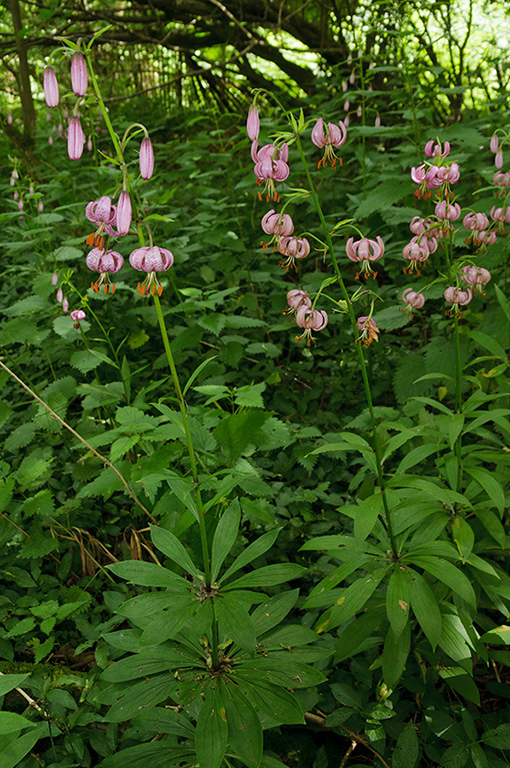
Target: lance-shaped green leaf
[(426, 609), (268, 576), (10, 722), (447, 573), (355, 597), (147, 693), (359, 634), (252, 551), (149, 661), (147, 574), (395, 653), (269, 613), (235, 621), (168, 624), (244, 727), (490, 485), (224, 537), (280, 705), (8, 682), (170, 545), (211, 734), (406, 749), (398, 599)]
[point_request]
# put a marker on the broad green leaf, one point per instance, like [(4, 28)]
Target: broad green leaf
[(211, 734), (497, 737), (492, 524), (416, 456), (160, 754), (359, 634), (497, 636), (406, 749), (146, 693), (147, 574), (244, 727), (425, 608), (170, 545), (281, 671), (366, 517), (271, 612), (144, 607), (8, 682), (149, 661), (13, 748), (162, 720), (169, 623), (252, 551), (489, 343), (235, 621), (454, 642), (461, 682), (224, 537), (274, 701), (355, 597), (463, 536), (395, 653), (10, 722), (490, 485), (268, 576), (447, 573), (398, 595)]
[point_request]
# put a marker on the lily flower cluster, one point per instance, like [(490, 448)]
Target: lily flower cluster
[(439, 228), (110, 220)]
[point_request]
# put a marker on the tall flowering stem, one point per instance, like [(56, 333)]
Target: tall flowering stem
[(189, 442), (359, 347), (104, 110)]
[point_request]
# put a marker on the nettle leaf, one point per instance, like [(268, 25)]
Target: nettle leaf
[(499, 737), (250, 396), (105, 484), (21, 436), (34, 468), (121, 446), (85, 360), (235, 434)]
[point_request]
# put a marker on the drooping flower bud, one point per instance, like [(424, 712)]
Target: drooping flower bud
[(494, 144), (50, 86), (75, 138), (54, 279), (79, 75), (124, 213), (60, 295), (65, 306), (9, 119), (146, 158), (498, 160), (253, 123)]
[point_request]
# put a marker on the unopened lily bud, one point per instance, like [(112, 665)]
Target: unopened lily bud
[(75, 138), (21, 205), (494, 145), (9, 119), (124, 213), (40, 207), (79, 75), (253, 123), (146, 158), (89, 144), (50, 86), (54, 279), (60, 295), (498, 160), (65, 306), (377, 122)]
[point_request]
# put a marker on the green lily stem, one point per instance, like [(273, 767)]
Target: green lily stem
[(458, 402), (104, 109), (189, 442), (359, 348)]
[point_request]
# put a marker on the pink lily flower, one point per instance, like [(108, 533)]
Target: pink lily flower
[(365, 251), (413, 299), (475, 276), (435, 150), (417, 252), (293, 248), (310, 320), (494, 143), (106, 263), (329, 139), (447, 211), (77, 315), (295, 299), (369, 330), (104, 215), (457, 298), (270, 167), (151, 259)]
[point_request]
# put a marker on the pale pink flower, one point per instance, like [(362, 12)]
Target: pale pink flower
[(311, 320), (476, 221), (448, 174), (50, 86), (484, 237), (329, 138), (151, 259), (295, 299), (352, 77), (75, 138), (359, 111), (124, 213), (416, 251), (146, 158), (40, 207), (433, 150), (106, 263), (270, 167), (89, 144), (365, 251), (413, 299), (279, 224), (475, 276), (77, 315), (457, 298), (347, 104), (253, 123), (345, 85), (293, 248), (79, 75), (104, 215), (447, 211)]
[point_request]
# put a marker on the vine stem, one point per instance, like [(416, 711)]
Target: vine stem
[(361, 357), (80, 438), (189, 441)]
